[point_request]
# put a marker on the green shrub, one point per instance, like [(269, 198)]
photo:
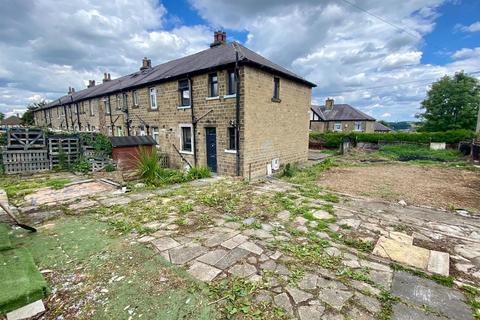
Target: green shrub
[(334, 139), (198, 173), (100, 142), (82, 165), (406, 152), (148, 167)]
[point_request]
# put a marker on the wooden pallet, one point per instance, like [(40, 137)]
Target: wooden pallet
[(25, 161)]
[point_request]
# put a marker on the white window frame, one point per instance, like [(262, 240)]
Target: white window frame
[(90, 108), (358, 126), (181, 126), (152, 92), (135, 98), (337, 126), (155, 134)]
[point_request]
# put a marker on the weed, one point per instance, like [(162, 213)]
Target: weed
[(330, 197), (359, 244), (345, 226), (295, 276), (443, 280), (185, 207), (198, 173), (361, 275), (387, 301), (309, 253)]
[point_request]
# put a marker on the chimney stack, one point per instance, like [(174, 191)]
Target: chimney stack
[(219, 37), (106, 77), (71, 90), (329, 104), (91, 83), (146, 64)]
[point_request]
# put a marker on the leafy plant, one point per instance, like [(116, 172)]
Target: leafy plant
[(82, 165), (198, 173), (404, 152)]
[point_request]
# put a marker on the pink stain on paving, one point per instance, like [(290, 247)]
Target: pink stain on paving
[(49, 195)]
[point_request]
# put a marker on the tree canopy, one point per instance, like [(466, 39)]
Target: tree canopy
[(27, 117), (2, 116), (452, 103)]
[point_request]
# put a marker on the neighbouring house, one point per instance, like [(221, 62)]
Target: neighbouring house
[(126, 150), (240, 116), (11, 122), (380, 127), (339, 117)]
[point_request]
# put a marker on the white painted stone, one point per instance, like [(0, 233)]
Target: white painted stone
[(439, 262), (27, 311)]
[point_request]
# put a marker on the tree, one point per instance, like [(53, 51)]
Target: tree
[(27, 117), (452, 103), (2, 116)]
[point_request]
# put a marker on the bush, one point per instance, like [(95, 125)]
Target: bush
[(334, 139), (414, 152), (100, 142), (149, 169), (82, 165)]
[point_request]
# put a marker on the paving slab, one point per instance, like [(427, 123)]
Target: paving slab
[(308, 282), (184, 254), (321, 214), (314, 312), (231, 258), (203, 272), (219, 236), (369, 303), (335, 298), (424, 292), (252, 247), (166, 243), (439, 262), (402, 311), (401, 252), (235, 241), (242, 270), (298, 295), (26, 312), (281, 300), (212, 257), (401, 237)]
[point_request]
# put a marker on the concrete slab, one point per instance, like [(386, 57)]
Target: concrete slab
[(203, 272), (402, 311), (401, 237), (439, 262), (401, 252), (424, 292), (166, 243), (27, 311)]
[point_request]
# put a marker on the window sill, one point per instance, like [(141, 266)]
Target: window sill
[(230, 96), (277, 100), (186, 152), (152, 110), (230, 151), (184, 107), (212, 98)]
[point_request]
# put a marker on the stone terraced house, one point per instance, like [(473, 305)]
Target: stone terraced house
[(339, 118), (192, 105)]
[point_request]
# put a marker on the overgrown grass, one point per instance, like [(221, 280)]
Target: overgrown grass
[(17, 188), (297, 175), (404, 152)]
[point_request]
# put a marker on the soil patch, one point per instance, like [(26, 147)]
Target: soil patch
[(419, 185)]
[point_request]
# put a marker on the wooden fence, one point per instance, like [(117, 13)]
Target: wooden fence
[(25, 161), (63, 151), (20, 138)]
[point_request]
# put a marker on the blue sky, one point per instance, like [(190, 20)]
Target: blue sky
[(353, 57)]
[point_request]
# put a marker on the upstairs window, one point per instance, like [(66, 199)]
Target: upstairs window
[(186, 138), (125, 101), (90, 108), (276, 88), (135, 98), (153, 98), (106, 104), (232, 83), (184, 89), (213, 85), (232, 138), (118, 102), (337, 126)]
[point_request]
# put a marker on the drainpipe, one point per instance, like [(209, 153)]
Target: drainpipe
[(237, 109), (78, 117), (194, 122), (111, 119), (127, 121), (65, 114)]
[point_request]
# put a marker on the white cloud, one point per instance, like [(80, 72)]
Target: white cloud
[(47, 46), (474, 27)]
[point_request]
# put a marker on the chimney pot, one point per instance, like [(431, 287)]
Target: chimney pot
[(105, 77), (146, 64), (219, 37), (329, 104), (109, 78), (91, 83)]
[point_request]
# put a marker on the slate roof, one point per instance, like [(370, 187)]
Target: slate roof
[(11, 121), (377, 126), (341, 112), (132, 141), (221, 55)]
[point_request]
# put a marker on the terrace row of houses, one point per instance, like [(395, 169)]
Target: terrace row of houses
[(226, 107)]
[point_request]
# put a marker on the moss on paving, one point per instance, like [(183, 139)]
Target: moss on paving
[(118, 278), (21, 283)]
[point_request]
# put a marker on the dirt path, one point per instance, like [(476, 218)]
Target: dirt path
[(419, 185)]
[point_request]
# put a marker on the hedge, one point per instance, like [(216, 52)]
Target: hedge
[(334, 139)]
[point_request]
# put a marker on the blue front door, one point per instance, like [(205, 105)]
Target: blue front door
[(211, 138)]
